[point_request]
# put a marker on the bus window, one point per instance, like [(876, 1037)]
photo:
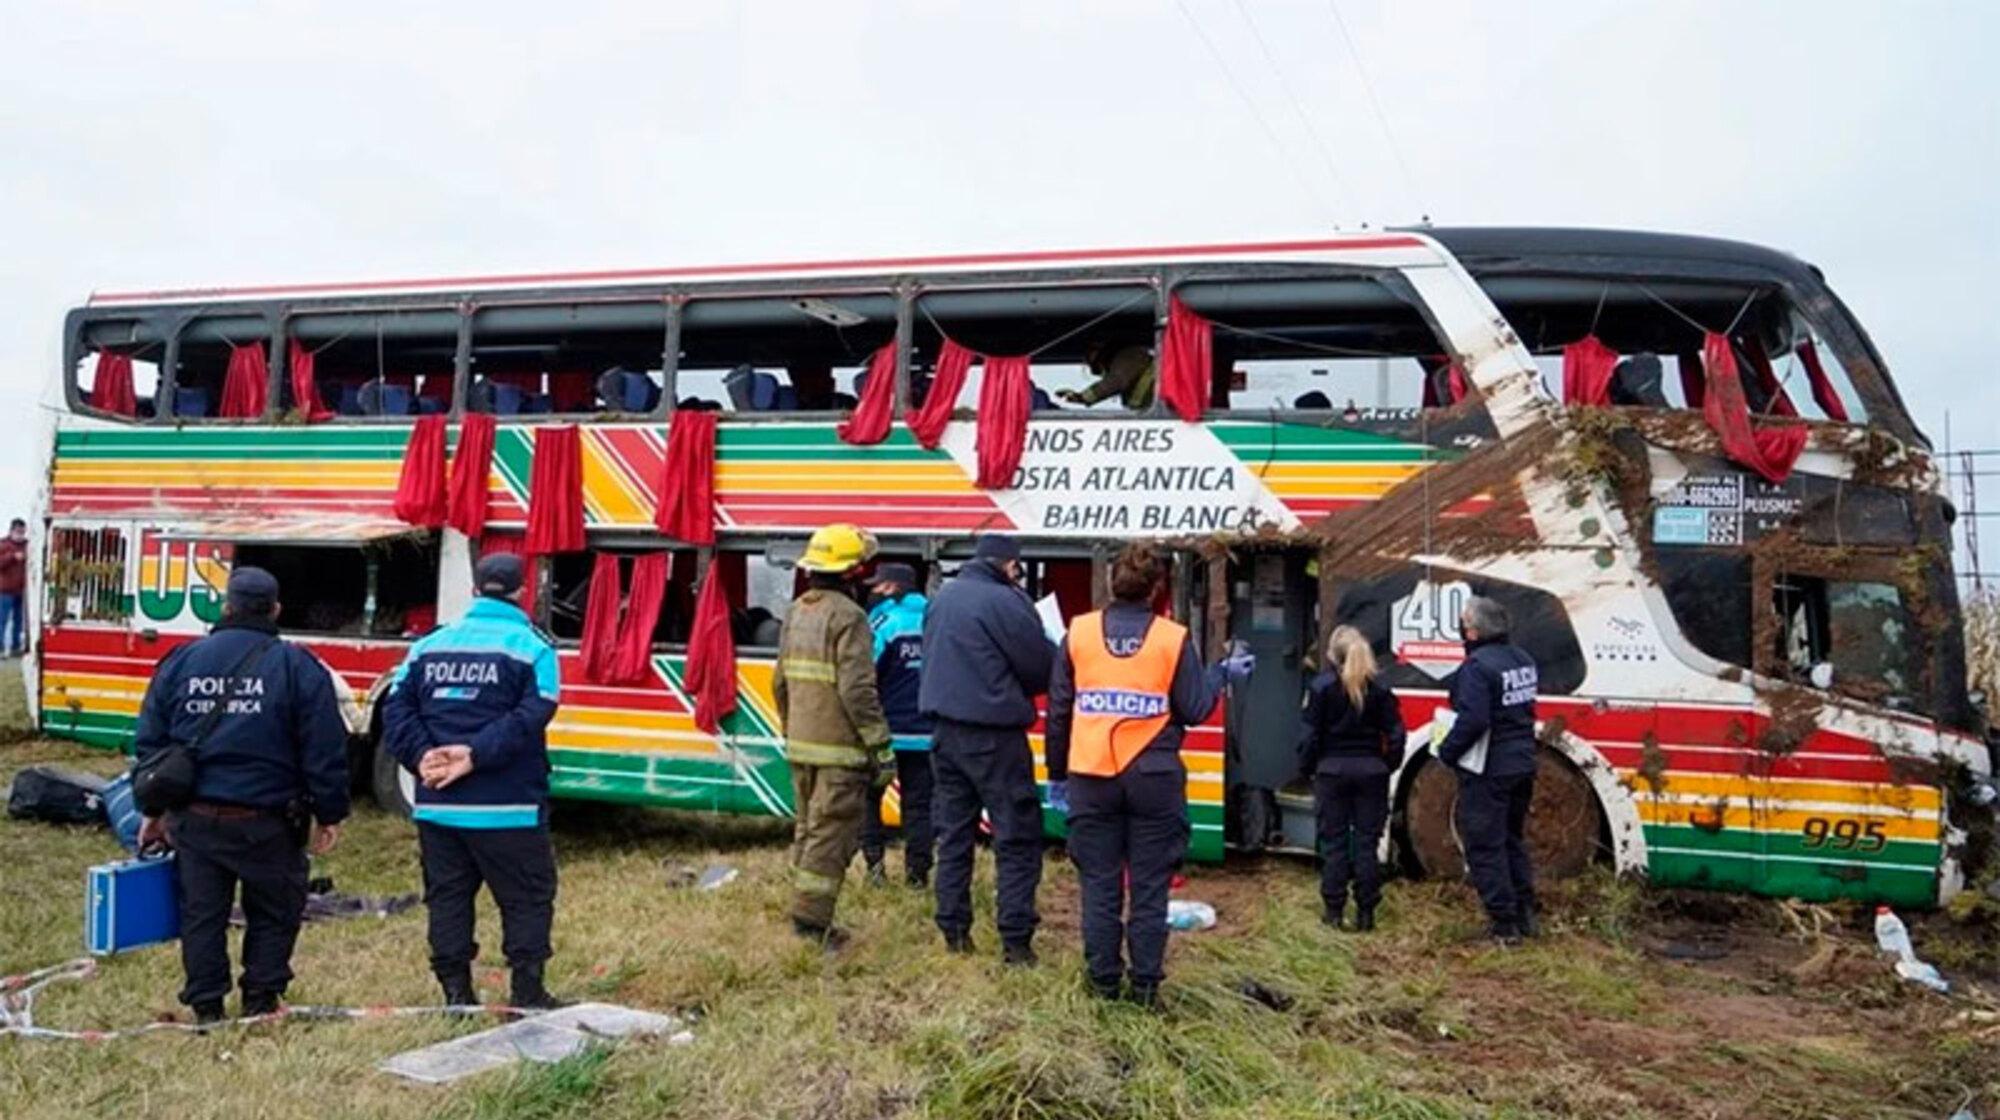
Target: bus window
[(106, 343), (326, 588), (779, 354), (569, 359), (1345, 344), (1709, 594), (386, 364), (1091, 348), (206, 346), (85, 576), (569, 592), (1851, 636)]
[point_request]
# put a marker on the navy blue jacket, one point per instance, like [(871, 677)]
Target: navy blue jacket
[(1337, 738), (280, 738), (1189, 699), (1494, 692), (898, 624), (985, 656), (489, 681)]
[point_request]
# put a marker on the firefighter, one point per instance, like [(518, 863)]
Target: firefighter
[(1126, 372), (836, 736), (985, 660), (270, 781), (467, 712), (1126, 684), (1491, 747), (897, 618)]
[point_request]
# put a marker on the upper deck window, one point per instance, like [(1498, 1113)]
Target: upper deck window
[(577, 359), (205, 349), (117, 370), (386, 364), (776, 354), (1089, 347)]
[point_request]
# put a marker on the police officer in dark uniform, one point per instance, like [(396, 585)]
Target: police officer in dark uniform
[(985, 660), (1491, 747), (270, 767), (1126, 684), (467, 712)]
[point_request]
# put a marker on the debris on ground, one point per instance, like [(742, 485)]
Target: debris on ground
[(549, 1037), (1256, 991), (1892, 937), (55, 795), (1186, 916), (712, 877), (330, 904)]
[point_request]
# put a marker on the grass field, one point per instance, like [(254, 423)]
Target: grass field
[(1604, 1017)]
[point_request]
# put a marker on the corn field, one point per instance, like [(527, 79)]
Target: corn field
[(1982, 643)]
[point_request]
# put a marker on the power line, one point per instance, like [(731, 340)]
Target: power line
[(1298, 107), (1374, 104), (1277, 141)]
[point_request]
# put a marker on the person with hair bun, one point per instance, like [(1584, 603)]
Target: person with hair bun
[(1350, 740)]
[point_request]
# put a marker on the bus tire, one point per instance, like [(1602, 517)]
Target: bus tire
[(1565, 822), (395, 788)]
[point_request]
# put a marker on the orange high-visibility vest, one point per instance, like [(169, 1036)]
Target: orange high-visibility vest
[(1121, 702)]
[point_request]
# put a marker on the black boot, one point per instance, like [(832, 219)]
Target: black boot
[(960, 943), (1018, 954), (208, 1014), (529, 994), (1331, 917), (1364, 920), (458, 988), (876, 875), (259, 1003), (1145, 995), (917, 878), (831, 938), (1106, 989), (1528, 922)]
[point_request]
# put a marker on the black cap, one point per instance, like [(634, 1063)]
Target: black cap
[(500, 575), (251, 591), (997, 548), (902, 575)]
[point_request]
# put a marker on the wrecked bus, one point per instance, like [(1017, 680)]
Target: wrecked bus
[(1679, 462)]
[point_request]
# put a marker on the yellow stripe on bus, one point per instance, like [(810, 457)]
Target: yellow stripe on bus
[(1787, 821), (606, 491), (1885, 796)]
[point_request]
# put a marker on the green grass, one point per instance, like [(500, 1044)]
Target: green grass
[(1416, 1021)]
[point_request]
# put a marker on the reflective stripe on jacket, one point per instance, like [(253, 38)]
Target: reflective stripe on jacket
[(1122, 701), (824, 683)]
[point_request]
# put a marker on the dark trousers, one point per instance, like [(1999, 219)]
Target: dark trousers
[(1492, 815), (1351, 811), (516, 864), (914, 783), (987, 768), (1137, 821), (211, 858)]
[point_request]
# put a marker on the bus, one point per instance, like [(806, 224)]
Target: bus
[(1679, 462)]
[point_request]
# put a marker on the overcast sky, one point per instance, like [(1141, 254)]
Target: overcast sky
[(189, 143)]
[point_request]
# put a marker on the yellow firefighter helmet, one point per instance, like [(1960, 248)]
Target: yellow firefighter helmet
[(838, 548)]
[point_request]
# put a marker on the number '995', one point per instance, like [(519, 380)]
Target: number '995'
[(1846, 834)]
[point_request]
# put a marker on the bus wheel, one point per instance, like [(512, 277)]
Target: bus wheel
[(395, 787), (1565, 823)]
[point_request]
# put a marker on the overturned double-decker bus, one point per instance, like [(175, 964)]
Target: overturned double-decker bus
[(1678, 462)]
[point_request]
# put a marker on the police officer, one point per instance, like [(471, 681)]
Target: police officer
[(467, 713), (1126, 684), (985, 661), (836, 737), (270, 756), (1491, 747), (897, 617)]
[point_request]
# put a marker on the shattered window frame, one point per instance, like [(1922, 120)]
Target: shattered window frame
[(1813, 577)]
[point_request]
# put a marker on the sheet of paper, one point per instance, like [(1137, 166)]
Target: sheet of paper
[(1052, 620)]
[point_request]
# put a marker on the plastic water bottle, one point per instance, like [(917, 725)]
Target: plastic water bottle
[(1893, 937), (1186, 917)]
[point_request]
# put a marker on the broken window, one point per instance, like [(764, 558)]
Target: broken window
[(378, 589), (1090, 348), (104, 343), (1709, 594), (378, 364), (569, 592), (85, 577), (781, 354), (1851, 636), (202, 361), (569, 359)]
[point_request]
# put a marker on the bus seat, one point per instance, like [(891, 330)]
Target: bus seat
[(379, 398), (1636, 381), (536, 404), (1040, 401), (350, 401), (621, 390), (190, 401), (507, 399), (431, 406), (783, 398)]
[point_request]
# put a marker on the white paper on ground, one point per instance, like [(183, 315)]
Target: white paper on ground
[(548, 1037), (1052, 620)]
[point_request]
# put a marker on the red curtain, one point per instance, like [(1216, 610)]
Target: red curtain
[(305, 389), (1694, 383), (1770, 451), (1767, 380), (1185, 361), (686, 509), (1587, 368), (947, 381), (514, 544), (1004, 402), (555, 492), (644, 598), (111, 388), (870, 422), (420, 491), (471, 467), (1823, 392), (600, 620), (247, 386), (710, 677)]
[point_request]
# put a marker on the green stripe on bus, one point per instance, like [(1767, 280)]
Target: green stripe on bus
[(1901, 886), (1915, 854), (276, 442)]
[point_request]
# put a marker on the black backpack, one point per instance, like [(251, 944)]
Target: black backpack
[(165, 781)]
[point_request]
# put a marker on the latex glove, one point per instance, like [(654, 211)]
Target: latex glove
[(1072, 396), (1238, 666), (153, 835), (885, 769), (1059, 796)]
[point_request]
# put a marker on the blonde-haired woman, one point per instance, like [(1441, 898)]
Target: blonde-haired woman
[(1351, 740)]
